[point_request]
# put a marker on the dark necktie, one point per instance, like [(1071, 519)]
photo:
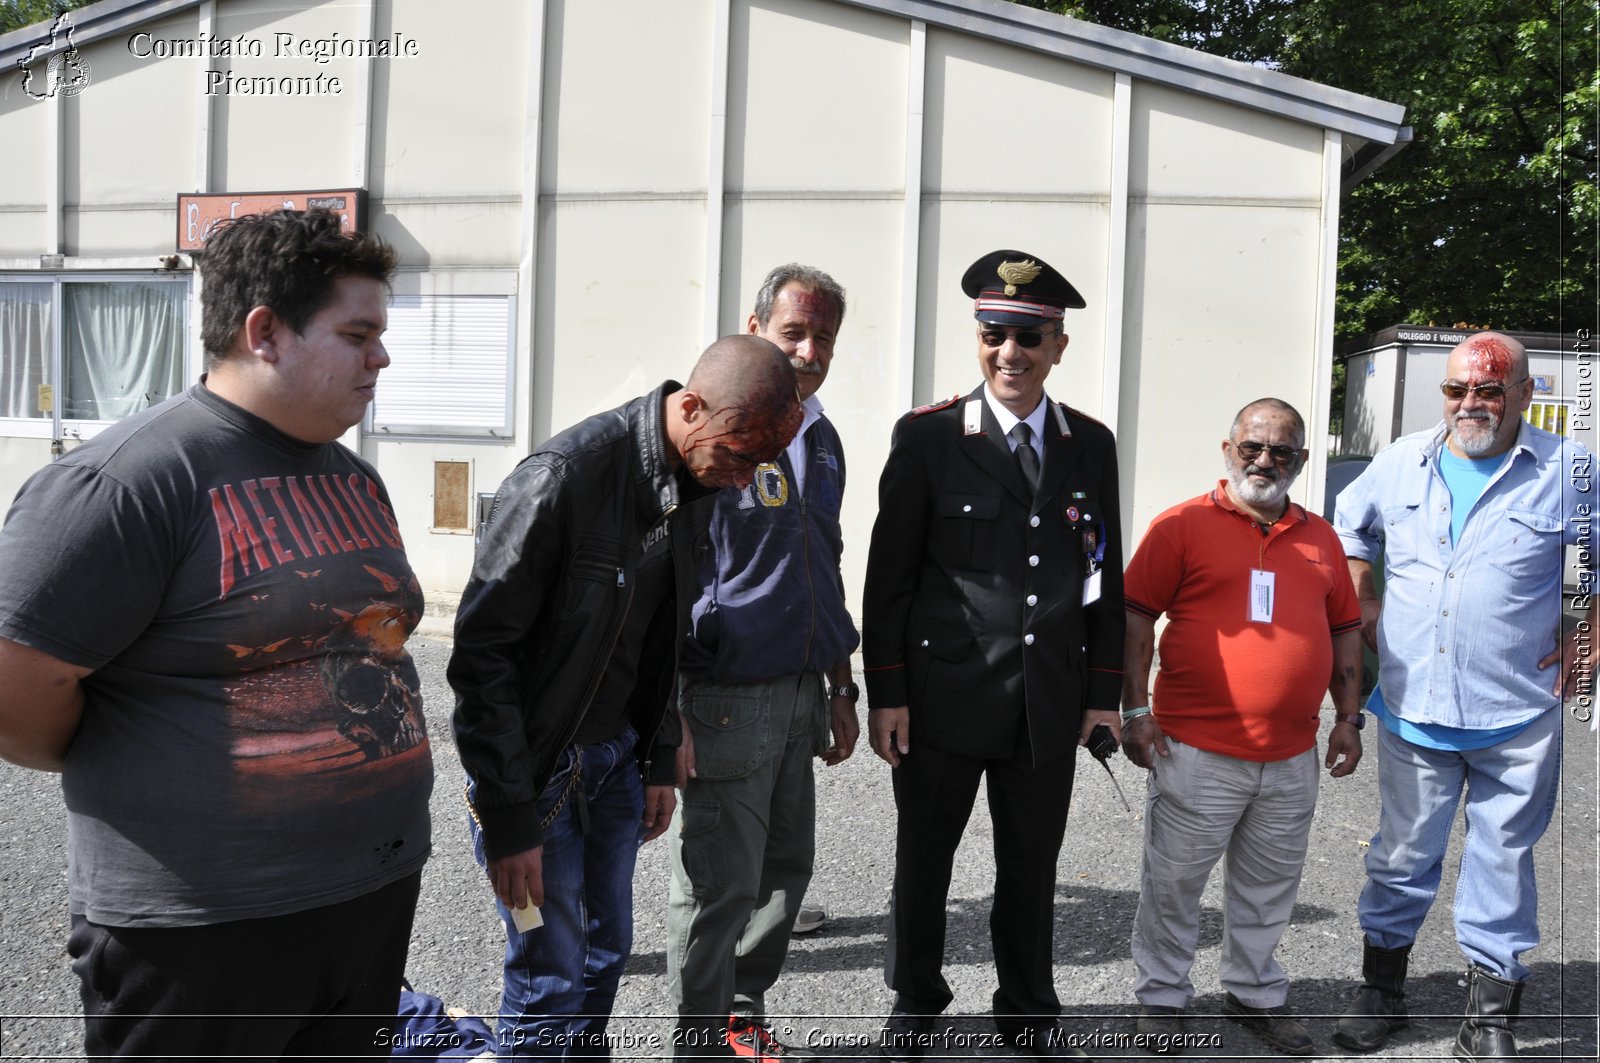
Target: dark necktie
[(1027, 457)]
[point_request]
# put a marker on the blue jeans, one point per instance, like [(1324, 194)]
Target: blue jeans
[(561, 978), (1511, 791)]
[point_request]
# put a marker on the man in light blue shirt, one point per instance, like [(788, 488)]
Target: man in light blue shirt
[(1472, 517)]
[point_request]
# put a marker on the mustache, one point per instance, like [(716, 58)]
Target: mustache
[(804, 368)]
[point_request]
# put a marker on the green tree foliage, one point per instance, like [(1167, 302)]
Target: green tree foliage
[(1491, 216), (15, 14)]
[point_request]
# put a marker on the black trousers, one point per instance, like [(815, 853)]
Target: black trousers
[(323, 982), (934, 791)]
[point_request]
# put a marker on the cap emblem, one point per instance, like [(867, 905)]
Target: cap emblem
[(1015, 273)]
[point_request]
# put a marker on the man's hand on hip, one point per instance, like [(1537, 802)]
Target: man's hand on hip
[(1576, 670)]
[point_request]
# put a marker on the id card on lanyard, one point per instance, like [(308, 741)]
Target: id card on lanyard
[(1263, 586), (1094, 556)]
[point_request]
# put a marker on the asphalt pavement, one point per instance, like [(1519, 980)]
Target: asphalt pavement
[(832, 996)]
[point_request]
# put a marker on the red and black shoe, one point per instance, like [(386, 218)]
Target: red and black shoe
[(753, 1040)]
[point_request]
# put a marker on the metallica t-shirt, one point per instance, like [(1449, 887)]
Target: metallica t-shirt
[(252, 741)]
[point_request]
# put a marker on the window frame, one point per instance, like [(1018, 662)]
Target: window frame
[(55, 425)]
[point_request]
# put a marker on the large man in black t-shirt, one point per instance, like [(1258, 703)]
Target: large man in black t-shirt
[(203, 617)]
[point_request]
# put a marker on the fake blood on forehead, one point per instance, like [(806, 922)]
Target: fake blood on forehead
[(761, 438), (1489, 358), (809, 302)]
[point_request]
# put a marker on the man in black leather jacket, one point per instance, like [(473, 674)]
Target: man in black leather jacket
[(564, 667)]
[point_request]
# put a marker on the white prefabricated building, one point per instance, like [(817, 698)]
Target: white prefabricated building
[(585, 193)]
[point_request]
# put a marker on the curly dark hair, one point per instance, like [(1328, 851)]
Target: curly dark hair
[(287, 260)]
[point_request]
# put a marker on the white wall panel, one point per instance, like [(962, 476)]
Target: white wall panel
[(446, 120), (627, 95), (1222, 308), (816, 97), (1001, 119), (618, 306), (290, 141), (145, 231), (1191, 146), (24, 130), (442, 234), (132, 109)]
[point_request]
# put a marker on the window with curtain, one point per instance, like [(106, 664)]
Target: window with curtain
[(25, 347), (96, 349), (124, 348)]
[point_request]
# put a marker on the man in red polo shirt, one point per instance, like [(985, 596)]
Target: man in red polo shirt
[(1262, 618)]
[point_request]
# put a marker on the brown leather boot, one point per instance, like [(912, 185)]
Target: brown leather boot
[(1380, 1007)]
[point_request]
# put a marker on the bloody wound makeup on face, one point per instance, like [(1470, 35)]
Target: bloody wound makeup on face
[(759, 442), (1488, 357), (810, 302)]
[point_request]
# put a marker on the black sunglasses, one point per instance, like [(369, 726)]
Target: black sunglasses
[(1250, 450), (1486, 392), (1025, 337)]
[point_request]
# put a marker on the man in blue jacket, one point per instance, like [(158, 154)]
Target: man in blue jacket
[(770, 628)]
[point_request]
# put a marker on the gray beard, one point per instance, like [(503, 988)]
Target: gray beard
[(1269, 496), (1482, 439)]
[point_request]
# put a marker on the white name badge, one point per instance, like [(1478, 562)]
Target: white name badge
[(1091, 587), (1262, 586)]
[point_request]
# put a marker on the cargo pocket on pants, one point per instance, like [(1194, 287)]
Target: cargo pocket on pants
[(730, 725)]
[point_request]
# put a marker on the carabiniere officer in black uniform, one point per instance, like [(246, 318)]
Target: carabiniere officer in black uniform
[(992, 644)]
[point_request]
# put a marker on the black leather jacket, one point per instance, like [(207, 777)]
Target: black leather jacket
[(551, 585)]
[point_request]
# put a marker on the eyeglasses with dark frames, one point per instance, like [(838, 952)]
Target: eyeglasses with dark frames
[(1026, 337), (1282, 453), (1487, 392)]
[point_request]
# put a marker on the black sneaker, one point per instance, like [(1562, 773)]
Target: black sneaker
[(1159, 1029), (1276, 1026)]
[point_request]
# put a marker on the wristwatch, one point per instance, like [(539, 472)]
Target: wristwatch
[(849, 690), (1356, 719)]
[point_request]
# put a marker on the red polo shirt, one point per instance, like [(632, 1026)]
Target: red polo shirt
[(1228, 684)]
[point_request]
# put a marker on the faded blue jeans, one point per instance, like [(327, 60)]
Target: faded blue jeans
[(1510, 792), (561, 978)]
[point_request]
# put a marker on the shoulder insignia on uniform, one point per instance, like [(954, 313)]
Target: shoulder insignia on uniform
[(1079, 413), (934, 407)]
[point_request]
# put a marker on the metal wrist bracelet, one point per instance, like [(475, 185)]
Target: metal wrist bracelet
[(1129, 715)]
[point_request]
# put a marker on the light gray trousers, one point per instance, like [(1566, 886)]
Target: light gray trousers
[(1202, 807)]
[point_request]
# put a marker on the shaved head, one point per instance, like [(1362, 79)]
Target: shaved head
[(740, 408), (745, 371), (1270, 404)]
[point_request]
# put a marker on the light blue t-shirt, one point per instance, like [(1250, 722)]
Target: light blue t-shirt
[(1466, 478), (1437, 735)]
